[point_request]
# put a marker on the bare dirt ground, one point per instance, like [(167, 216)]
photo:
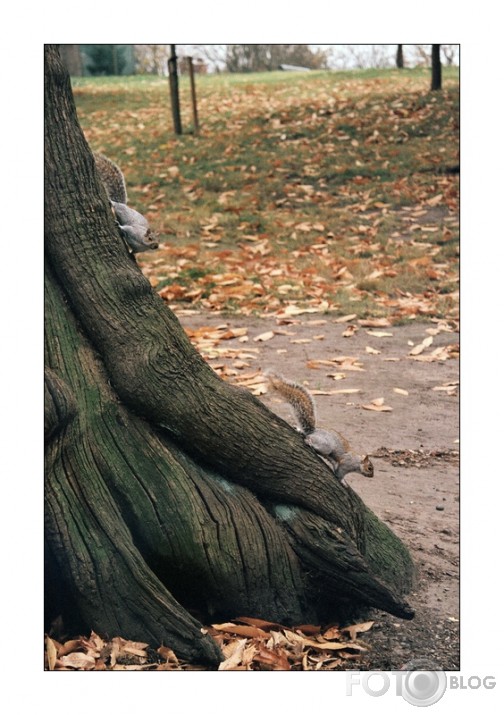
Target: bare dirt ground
[(414, 448)]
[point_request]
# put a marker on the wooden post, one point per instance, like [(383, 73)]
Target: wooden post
[(174, 90), (193, 95), (399, 57), (436, 67)]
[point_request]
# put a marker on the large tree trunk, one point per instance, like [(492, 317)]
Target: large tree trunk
[(167, 489)]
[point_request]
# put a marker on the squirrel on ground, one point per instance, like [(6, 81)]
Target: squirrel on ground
[(134, 227), (331, 446)]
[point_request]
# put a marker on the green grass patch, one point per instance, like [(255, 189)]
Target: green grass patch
[(319, 188)]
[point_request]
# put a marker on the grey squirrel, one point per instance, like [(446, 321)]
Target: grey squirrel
[(331, 446), (134, 227)]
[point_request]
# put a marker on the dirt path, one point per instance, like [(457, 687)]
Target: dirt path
[(414, 446)]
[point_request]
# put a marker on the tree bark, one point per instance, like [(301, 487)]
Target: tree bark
[(167, 489)]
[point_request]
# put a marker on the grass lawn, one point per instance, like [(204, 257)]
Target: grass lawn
[(320, 191)]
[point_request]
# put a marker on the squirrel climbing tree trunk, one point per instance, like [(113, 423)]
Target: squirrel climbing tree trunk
[(169, 492)]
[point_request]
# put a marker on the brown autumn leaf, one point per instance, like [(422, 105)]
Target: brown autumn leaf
[(348, 363), (273, 659), (71, 646), (346, 318), (349, 331), (375, 323), (377, 405), (239, 630), (307, 629), (259, 623), (332, 633), (168, 655), (316, 364)]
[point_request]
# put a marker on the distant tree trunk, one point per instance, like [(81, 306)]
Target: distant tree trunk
[(399, 57), (168, 492), (71, 56), (436, 67), (174, 90)]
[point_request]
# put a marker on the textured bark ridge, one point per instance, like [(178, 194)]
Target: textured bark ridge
[(169, 492)]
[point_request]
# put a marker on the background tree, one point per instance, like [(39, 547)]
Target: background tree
[(262, 58), (399, 57), (105, 59), (72, 58), (171, 496), (152, 59)]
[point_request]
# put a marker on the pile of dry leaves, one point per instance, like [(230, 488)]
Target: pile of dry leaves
[(248, 644)]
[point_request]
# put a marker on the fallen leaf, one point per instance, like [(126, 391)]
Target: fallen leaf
[(264, 336), (70, 647), (375, 323), (247, 631), (52, 653), (400, 391), (349, 331), (417, 349), (276, 660), (379, 334), (233, 652), (259, 623), (346, 318), (358, 628), (173, 171), (377, 405), (79, 661)]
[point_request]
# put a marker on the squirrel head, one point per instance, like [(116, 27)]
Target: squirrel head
[(366, 467), (139, 239)]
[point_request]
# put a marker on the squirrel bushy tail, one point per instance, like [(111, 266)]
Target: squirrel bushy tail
[(299, 399), (113, 178)]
